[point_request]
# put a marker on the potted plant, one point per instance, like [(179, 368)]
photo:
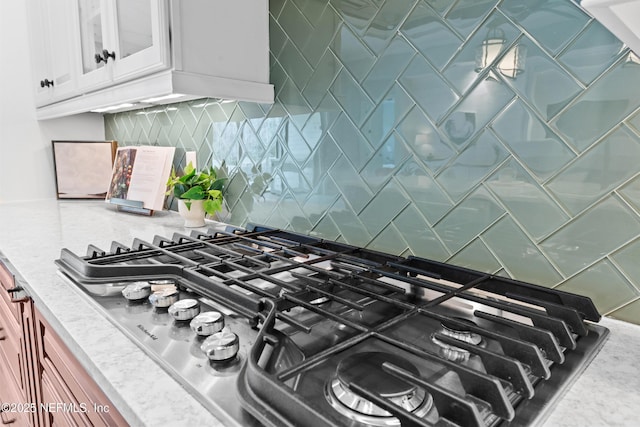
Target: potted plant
[(198, 193)]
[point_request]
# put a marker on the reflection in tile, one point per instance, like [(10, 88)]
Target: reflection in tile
[(603, 284), (385, 206), (552, 23), (388, 65), (464, 70), (351, 141), (425, 140), (389, 157), (351, 228), (351, 97), (532, 141), (326, 228), (476, 161), (352, 186), (525, 200), (353, 53), (519, 255), (544, 84), (468, 219), (477, 109), (466, 14), (596, 233), (385, 117), (389, 240), (322, 77), (384, 25), (476, 256), (607, 165)]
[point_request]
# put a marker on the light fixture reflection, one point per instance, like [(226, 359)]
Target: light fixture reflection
[(510, 65)]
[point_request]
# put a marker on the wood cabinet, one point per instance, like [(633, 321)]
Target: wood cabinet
[(114, 55), (43, 384)]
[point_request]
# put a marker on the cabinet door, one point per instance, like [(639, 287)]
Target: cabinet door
[(53, 47), (92, 16), (121, 40)]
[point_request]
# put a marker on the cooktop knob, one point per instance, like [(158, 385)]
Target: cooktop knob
[(185, 309), (207, 323), (164, 298), (221, 346), (137, 291)]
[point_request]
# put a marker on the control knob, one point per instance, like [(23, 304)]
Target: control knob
[(185, 309), (137, 291), (207, 323), (221, 346), (164, 298)]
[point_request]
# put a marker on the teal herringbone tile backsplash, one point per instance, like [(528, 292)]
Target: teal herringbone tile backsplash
[(498, 135)]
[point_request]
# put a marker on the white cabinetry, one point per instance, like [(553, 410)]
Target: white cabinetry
[(128, 54), (53, 45), (121, 40)]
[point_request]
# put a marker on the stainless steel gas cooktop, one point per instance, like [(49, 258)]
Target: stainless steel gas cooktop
[(269, 327)]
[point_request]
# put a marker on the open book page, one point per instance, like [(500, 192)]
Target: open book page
[(141, 174)]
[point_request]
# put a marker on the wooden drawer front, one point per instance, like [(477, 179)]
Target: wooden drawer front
[(58, 407), (58, 362), (7, 282), (23, 412), (10, 345)]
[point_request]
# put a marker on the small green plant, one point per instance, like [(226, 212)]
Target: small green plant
[(193, 185)]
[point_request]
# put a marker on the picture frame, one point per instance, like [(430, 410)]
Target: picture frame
[(83, 168)]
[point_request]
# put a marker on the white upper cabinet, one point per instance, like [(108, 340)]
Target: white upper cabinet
[(114, 55), (53, 44), (120, 40)]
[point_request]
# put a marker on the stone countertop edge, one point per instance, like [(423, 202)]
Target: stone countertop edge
[(33, 233)]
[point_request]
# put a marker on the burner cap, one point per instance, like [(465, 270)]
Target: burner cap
[(365, 369)]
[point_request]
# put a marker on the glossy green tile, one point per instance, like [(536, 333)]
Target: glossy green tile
[(326, 24), (385, 162), (476, 256), (604, 167), (427, 88), (598, 232), (464, 70), (351, 142), (532, 141), (321, 78), (387, 203), (476, 161), (326, 228), (626, 260), (323, 195), (389, 240), (603, 284), (353, 99), (295, 24), (428, 145), (426, 30), (475, 111), (602, 106), (592, 52), (352, 187), (468, 219), (631, 192), (634, 122), (277, 37), (387, 67), (544, 84), (353, 53), (519, 255), (356, 14), (553, 23), (386, 115), (351, 228), (384, 25), (628, 313), (422, 241), (297, 68), (526, 200), (465, 15), (426, 194)]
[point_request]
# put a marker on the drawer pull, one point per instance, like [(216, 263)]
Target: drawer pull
[(6, 421)]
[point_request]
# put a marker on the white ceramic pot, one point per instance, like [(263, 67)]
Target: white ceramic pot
[(193, 217)]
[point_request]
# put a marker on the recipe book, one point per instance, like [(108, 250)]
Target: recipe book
[(140, 174)]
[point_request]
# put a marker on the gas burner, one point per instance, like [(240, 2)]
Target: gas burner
[(459, 332), (365, 369)]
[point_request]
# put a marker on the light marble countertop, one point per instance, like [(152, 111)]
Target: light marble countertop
[(32, 234)]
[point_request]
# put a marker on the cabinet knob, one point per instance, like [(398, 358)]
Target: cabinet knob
[(104, 56), (46, 83)]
